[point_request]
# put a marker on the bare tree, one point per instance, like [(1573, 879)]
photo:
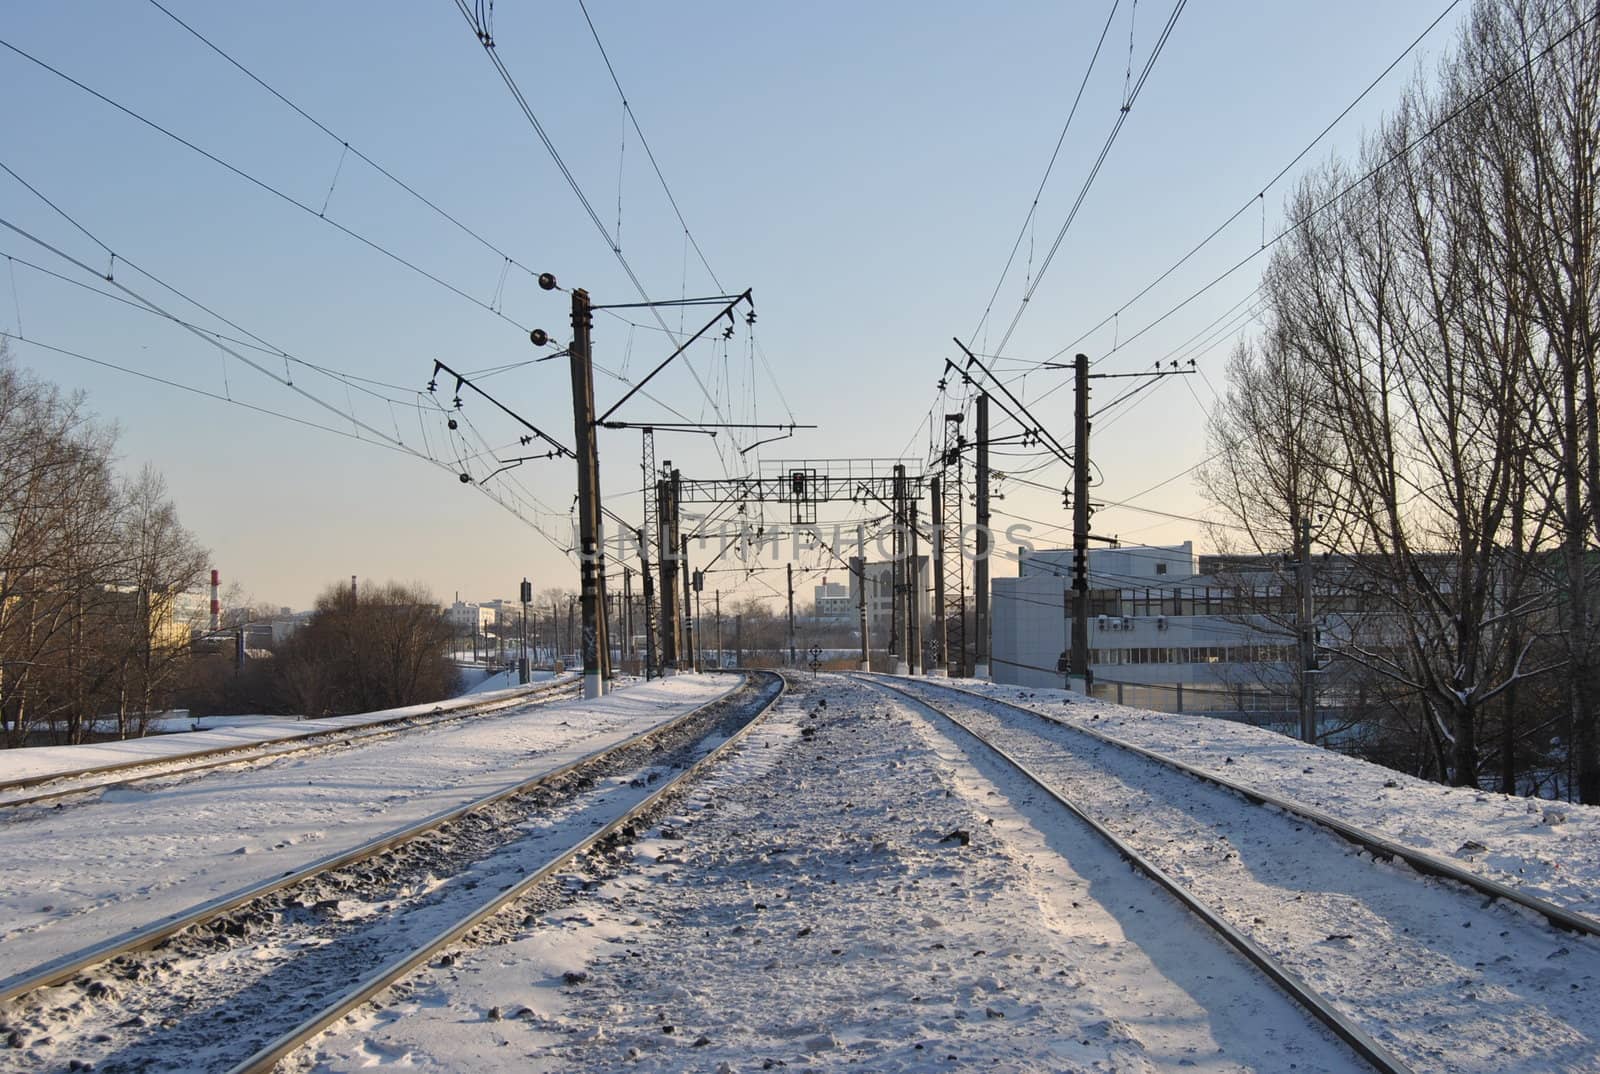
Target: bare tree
[(385, 648), (1433, 311)]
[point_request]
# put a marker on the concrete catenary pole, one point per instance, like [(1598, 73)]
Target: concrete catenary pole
[(1080, 523), (667, 553), (897, 630), (788, 570), (686, 661), (861, 594), (590, 564), (914, 660), (980, 570), (1308, 639), (941, 667)]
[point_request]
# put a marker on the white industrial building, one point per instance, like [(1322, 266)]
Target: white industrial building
[(466, 617), (880, 595), (1159, 621), (833, 601)]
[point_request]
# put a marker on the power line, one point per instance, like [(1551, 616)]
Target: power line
[(1033, 207), (289, 199), (648, 152), (1268, 185), (1094, 170), (360, 424), (485, 37), (1355, 184), (379, 168), (256, 181)]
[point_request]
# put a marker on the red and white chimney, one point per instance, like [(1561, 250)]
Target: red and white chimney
[(216, 601)]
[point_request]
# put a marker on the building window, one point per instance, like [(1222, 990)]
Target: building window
[(1161, 568)]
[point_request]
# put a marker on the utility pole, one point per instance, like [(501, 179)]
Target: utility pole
[(649, 583), (1080, 523), (687, 661), (980, 570), (941, 665), (526, 593), (699, 624), (861, 594), (591, 566), (738, 640), (627, 619), (649, 532), (721, 660), (913, 593), (788, 570), (898, 665), (667, 549), (1308, 641)]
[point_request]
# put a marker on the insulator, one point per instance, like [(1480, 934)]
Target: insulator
[(547, 281)]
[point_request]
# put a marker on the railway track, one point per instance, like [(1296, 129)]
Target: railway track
[(53, 787), (1380, 846), (1386, 957), (238, 985)]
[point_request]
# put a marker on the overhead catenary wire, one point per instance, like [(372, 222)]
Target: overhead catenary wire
[(358, 423), (486, 39), (290, 199), (1260, 196), (1255, 199), (1338, 196), (1094, 169), (1033, 207)]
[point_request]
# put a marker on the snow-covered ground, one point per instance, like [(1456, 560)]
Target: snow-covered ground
[(1551, 849), (811, 906), (860, 886), (90, 871), (220, 733), (477, 680)]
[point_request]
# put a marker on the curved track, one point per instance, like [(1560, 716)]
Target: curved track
[(1381, 955), (131, 773), (490, 843)]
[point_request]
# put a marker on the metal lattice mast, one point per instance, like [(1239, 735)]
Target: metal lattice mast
[(958, 654)]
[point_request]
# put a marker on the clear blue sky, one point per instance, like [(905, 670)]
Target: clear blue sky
[(863, 167)]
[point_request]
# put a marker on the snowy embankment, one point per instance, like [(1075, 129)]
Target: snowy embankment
[(95, 869), (1550, 849), (477, 680), (36, 761)]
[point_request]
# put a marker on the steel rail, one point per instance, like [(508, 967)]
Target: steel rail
[(269, 1055), (64, 968), (272, 749), (1378, 845), (441, 715), (1298, 989)]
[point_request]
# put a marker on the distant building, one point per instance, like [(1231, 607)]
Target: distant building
[(286, 624), (880, 595), (466, 617), (1166, 628), (833, 601)]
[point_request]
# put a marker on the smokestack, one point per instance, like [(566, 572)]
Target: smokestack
[(352, 589), (216, 602)]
